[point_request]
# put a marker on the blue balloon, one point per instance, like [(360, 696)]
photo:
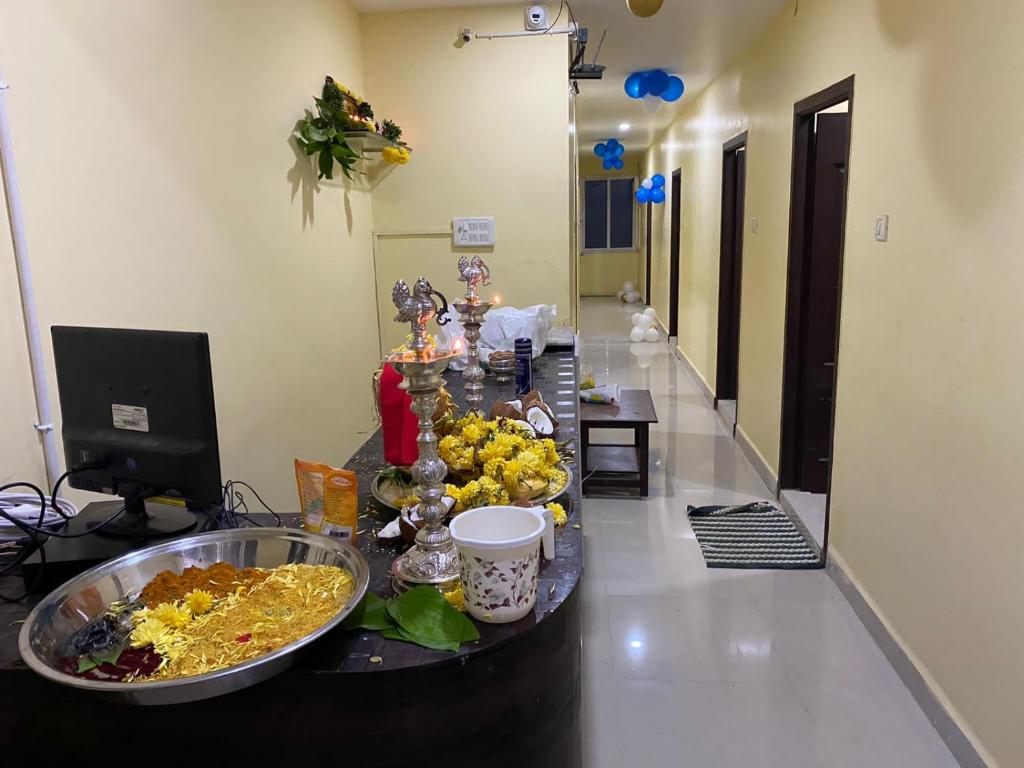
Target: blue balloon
[(636, 88), (617, 162), (608, 163), (657, 195), (673, 90), (611, 144), (658, 180), (600, 149), (619, 150), (643, 195), (657, 82)]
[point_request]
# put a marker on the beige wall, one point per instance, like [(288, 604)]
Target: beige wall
[(161, 191), (602, 273), (489, 125), (930, 414), (21, 456)]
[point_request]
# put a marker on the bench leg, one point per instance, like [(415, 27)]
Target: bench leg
[(641, 441)]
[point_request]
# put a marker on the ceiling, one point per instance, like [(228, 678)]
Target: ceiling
[(695, 39)]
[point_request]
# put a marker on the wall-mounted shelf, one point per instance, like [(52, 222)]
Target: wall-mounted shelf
[(368, 142)]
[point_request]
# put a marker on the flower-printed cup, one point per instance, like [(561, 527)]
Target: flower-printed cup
[(499, 556)]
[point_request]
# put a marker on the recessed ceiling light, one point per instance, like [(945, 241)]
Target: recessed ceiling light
[(624, 126)]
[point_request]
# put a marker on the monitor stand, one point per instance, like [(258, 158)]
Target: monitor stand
[(140, 521)]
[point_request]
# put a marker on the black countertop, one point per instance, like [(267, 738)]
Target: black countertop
[(555, 375)]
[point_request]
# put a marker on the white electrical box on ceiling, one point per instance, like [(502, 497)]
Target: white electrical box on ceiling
[(472, 231), (536, 17)]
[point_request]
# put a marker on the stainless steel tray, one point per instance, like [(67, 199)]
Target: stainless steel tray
[(375, 490), (67, 608)]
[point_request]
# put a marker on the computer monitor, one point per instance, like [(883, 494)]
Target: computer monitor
[(137, 410)]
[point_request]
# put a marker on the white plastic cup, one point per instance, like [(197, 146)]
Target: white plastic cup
[(499, 559)]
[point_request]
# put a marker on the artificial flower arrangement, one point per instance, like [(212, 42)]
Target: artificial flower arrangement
[(340, 112)]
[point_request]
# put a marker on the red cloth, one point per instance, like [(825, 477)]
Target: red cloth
[(399, 424)]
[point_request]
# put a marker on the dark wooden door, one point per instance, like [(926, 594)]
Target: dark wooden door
[(647, 267), (730, 271), (673, 271), (820, 318)]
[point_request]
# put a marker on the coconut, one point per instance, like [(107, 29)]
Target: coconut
[(511, 409), (542, 420), (530, 399)]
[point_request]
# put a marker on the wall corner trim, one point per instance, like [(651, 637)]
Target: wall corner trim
[(936, 708), (761, 466)]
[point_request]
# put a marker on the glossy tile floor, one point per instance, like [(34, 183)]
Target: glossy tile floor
[(689, 666)]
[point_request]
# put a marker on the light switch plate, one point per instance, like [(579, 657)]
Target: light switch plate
[(882, 229), (470, 231)]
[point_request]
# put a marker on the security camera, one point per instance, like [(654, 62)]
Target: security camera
[(466, 35)]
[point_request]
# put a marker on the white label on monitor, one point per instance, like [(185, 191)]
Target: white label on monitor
[(133, 417)]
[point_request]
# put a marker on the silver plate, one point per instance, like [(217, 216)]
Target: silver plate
[(375, 491), (47, 629)]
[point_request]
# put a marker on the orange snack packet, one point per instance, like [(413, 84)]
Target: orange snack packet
[(328, 499)]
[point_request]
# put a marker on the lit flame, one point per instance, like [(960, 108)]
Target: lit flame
[(496, 299), (457, 345)]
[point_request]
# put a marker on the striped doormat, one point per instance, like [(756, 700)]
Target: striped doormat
[(752, 536)]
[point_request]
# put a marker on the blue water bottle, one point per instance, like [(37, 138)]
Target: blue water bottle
[(524, 366)]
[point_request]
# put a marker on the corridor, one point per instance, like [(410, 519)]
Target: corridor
[(689, 666)]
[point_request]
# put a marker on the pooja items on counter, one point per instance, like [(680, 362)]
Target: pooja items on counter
[(328, 499), (228, 616)]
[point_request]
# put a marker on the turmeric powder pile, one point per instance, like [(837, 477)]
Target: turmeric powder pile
[(220, 579)]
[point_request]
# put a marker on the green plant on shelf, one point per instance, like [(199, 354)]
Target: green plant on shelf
[(323, 133), (390, 130)]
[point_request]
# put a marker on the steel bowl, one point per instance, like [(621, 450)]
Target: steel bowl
[(45, 633)]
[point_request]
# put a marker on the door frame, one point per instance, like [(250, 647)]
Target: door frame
[(803, 120), (647, 249), (728, 148), (676, 226)]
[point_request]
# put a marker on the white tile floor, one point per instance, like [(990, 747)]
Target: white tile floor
[(685, 666)]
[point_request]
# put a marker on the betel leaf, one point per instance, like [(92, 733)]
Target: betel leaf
[(371, 613), (85, 663), (109, 656), (432, 643), (425, 615)]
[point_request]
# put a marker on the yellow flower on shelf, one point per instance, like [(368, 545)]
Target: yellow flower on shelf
[(396, 155), (559, 512)]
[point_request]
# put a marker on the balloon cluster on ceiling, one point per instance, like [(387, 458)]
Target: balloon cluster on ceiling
[(611, 151), (654, 84), (652, 190)]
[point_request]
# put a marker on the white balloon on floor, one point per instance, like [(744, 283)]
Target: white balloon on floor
[(644, 326)]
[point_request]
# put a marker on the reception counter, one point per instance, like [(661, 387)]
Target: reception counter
[(353, 698)]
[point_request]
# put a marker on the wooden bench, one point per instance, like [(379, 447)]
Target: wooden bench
[(617, 467)]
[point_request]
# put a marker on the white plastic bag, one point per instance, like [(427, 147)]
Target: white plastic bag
[(503, 325)]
